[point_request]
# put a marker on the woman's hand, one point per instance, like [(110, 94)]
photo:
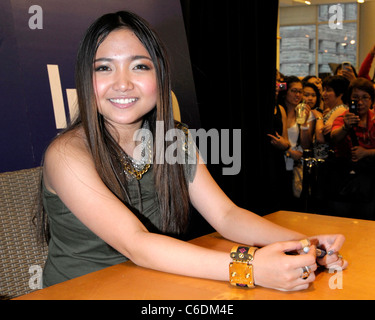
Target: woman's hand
[(348, 74), (350, 120), (358, 153), (307, 111), (295, 154), (279, 141), (331, 244), (327, 128), (273, 268)]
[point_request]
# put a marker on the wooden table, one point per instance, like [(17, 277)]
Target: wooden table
[(128, 281)]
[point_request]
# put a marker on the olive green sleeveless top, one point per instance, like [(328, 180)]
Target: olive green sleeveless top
[(74, 250)]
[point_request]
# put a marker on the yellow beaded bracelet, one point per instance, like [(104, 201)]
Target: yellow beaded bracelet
[(241, 268)]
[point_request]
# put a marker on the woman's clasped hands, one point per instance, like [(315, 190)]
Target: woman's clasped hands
[(290, 265)]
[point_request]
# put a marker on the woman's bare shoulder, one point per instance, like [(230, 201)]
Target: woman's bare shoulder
[(67, 153), (68, 144)]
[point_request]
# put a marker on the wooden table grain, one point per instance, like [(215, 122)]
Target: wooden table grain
[(127, 281)]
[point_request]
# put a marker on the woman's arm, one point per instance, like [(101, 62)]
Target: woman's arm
[(245, 227), (272, 266), (366, 65), (319, 125), (229, 220), (307, 133), (284, 120), (307, 129), (281, 142)]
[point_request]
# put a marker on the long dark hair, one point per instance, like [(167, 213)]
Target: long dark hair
[(171, 186)]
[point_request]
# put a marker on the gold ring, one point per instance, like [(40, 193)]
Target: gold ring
[(305, 272)]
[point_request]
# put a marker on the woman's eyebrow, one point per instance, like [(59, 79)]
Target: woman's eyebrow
[(103, 60), (131, 58), (138, 57)]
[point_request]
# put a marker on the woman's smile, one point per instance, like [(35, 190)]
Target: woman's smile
[(123, 103)]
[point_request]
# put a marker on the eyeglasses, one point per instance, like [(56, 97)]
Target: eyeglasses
[(295, 91), (363, 98)]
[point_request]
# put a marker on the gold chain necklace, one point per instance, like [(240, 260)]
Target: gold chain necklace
[(134, 168), (132, 171)]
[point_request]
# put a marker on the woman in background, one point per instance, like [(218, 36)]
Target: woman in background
[(299, 135), (334, 95)]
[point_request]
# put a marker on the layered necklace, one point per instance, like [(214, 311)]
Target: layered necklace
[(134, 168)]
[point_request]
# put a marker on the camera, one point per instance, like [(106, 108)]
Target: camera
[(282, 86), (346, 65), (353, 107)]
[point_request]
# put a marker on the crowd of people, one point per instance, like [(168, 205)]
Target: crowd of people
[(328, 157)]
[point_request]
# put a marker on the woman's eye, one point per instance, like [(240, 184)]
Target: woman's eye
[(102, 68), (141, 67)]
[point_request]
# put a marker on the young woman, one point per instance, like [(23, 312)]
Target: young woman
[(300, 138), (318, 83), (311, 96), (107, 203)]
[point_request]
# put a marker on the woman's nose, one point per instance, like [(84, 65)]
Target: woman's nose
[(122, 82)]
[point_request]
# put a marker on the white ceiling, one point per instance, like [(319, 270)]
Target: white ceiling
[(288, 3)]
